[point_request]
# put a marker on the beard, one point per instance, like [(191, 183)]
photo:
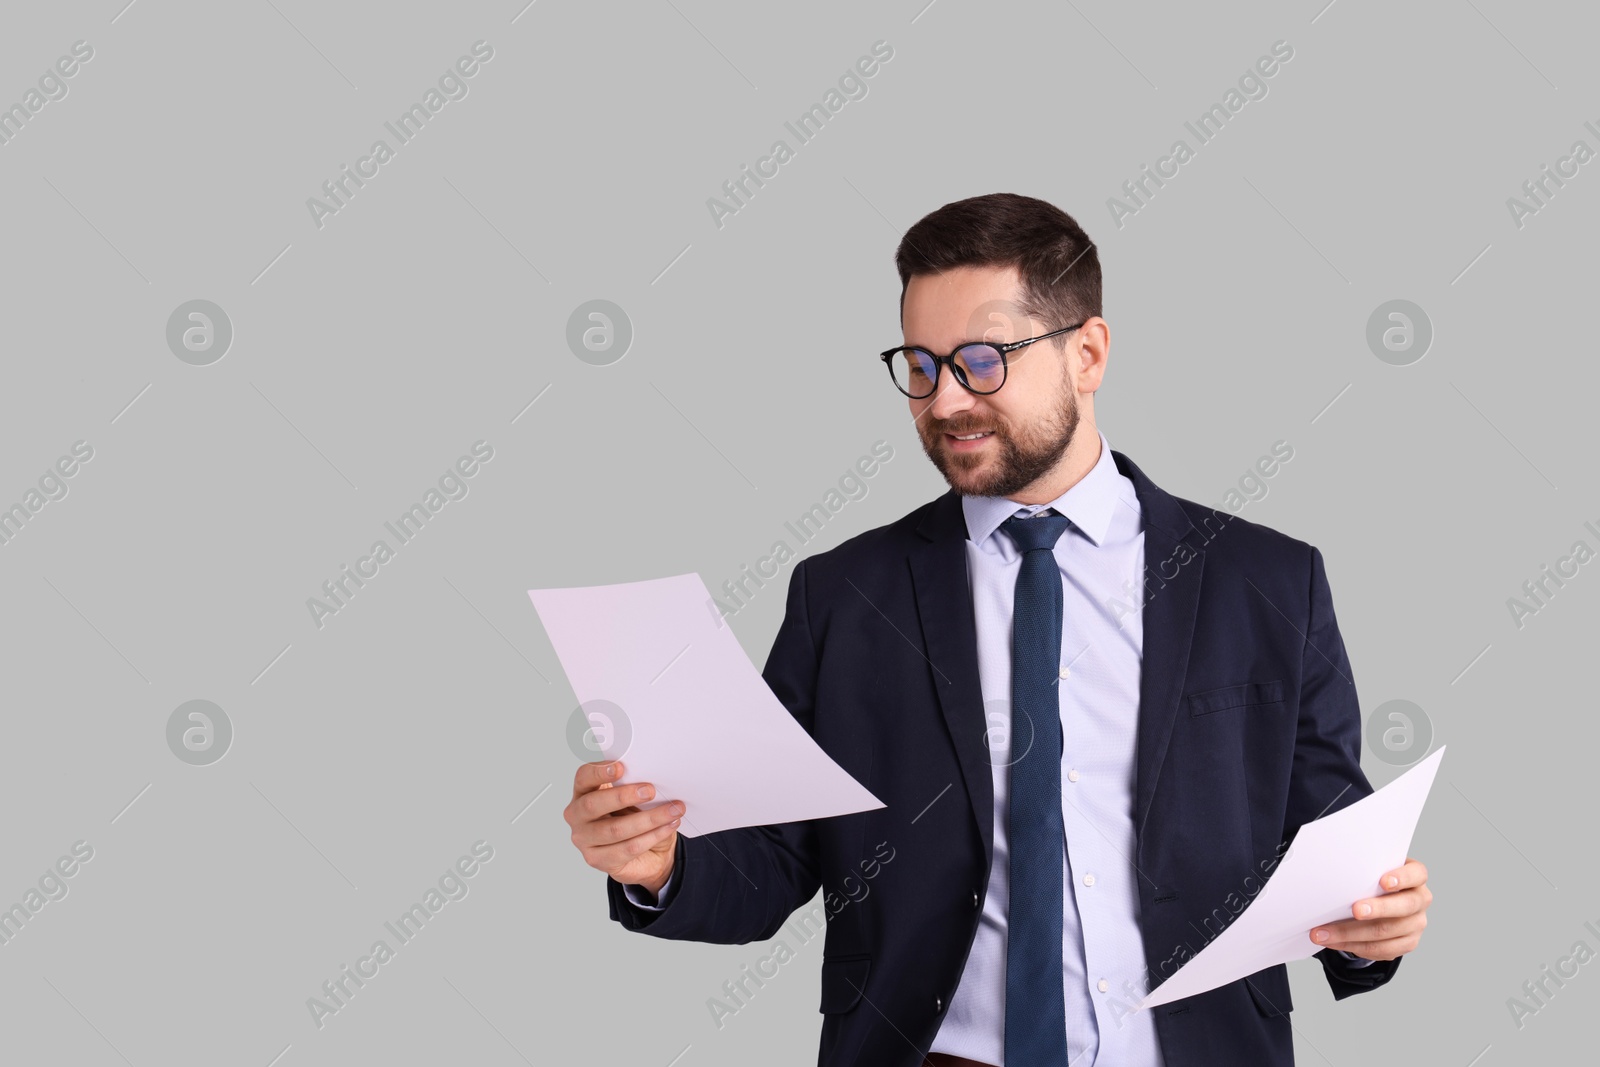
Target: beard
[(1013, 460)]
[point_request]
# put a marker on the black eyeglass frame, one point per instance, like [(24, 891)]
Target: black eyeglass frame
[(1005, 349)]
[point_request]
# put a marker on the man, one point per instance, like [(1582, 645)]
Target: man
[(1095, 712)]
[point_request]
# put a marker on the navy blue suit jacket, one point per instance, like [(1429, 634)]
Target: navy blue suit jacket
[(1248, 727)]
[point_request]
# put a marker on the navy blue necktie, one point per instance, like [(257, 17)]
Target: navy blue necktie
[(1036, 1015)]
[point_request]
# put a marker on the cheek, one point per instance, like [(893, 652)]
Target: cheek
[(1005, 417)]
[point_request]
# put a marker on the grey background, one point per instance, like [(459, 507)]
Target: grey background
[(370, 353)]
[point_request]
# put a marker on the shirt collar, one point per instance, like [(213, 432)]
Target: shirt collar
[(1088, 504)]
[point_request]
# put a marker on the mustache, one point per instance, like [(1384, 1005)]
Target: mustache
[(962, 428)]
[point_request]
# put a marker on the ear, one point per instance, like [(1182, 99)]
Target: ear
[(1092, 345)]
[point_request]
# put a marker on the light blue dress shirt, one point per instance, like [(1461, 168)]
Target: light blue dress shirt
[(1101, 557)]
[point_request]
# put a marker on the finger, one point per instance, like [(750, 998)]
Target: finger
[(620, 827), (1413, 873), (1347, 932), (602, 802), (592, 776), (1400, 902), (610, 858), (1334, 934), (1383, 950)]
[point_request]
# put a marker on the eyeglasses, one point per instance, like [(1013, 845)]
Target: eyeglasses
[(980, 367)]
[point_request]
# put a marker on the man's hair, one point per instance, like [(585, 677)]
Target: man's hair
[(1058, 264)]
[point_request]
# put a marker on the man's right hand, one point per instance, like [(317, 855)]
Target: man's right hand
[(634, 847)]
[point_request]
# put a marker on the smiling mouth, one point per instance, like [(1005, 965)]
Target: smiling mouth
[(967, 442)]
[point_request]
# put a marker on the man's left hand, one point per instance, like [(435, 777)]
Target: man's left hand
[(1387, 926)]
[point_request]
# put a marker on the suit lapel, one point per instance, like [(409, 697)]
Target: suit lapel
[(1172, 573), (949, 634)]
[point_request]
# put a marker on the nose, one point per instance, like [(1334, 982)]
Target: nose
[(949, 399)]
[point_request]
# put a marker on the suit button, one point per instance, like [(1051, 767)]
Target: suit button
[(938, 1005), (974, 898)]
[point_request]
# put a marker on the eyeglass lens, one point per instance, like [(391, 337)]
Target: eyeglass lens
[(981, 365)]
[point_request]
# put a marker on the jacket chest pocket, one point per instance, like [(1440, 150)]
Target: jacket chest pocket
[(1250, 694), (843, 981)]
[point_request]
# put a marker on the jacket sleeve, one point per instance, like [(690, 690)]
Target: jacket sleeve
[(1327, 772), (739, 885)]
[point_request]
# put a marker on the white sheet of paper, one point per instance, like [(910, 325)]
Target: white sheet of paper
[(705, 727), (1333, 862)]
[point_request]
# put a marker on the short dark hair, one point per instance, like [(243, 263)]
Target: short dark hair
[(1058, 264)]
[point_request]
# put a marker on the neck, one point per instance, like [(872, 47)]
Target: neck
[(1078, 460)]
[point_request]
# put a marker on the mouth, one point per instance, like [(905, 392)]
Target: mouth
[(967, 442)]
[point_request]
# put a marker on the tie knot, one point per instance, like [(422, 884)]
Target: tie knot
[(1042, 530)]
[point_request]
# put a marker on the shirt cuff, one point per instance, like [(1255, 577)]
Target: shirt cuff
[(1359, 961), (635, 894)]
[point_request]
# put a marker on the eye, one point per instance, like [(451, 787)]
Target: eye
[(981, 361)]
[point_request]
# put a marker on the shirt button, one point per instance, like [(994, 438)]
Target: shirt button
[(974, 898), (1103, 985), (1088, 879), (1066, 672), (938, 1005), (1072, 776)]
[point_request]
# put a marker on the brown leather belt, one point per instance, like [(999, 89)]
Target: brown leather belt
[(945, 1059)]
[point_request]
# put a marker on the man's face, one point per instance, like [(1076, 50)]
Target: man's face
[(1029, 422)]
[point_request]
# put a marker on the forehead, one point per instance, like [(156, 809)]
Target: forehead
[(964, 304)]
